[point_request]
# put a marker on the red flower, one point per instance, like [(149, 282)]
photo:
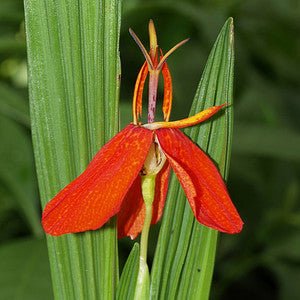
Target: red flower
[(111, 184)]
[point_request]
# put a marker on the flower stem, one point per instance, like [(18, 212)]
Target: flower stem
[(143, 280)]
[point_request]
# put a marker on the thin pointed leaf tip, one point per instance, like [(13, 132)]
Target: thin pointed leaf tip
[(111, 184)]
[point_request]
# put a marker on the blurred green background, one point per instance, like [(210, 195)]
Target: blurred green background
[(263, 261)]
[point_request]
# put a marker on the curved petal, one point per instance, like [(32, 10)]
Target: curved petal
[(198, 118), (201, 181), (138, 93), (132, 213), (161, 189), (97, 194), (168, 92)]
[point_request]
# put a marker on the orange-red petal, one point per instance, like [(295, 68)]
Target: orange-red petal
[(132, 213), (201, 181), (198, 118), (97, 194), (168, 92), (138, 93)]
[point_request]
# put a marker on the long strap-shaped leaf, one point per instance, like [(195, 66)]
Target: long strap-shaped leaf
[(73, 79), (185, 253)]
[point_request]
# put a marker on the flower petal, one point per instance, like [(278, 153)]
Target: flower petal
[(138, 93), (168, 92), (97, 194), (132, 213), (201, 181), (198, 118), (161, 189)]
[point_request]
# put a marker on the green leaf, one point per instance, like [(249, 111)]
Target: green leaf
[(185, 253), (17, 171), (74, 70), (13, 105), (25, 272), (127, 284)]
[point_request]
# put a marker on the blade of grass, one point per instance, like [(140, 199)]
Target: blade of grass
[(185, 253), (126, 286), (73, 64)]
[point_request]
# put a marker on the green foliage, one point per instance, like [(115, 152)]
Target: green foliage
[(73, 63), (16, 169), (13, 106), (263, 261), (25, 270), (127, 284)]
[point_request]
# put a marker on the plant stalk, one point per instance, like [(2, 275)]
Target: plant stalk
[(142, 290)]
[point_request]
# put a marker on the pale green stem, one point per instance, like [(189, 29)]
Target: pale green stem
[(142, 290)]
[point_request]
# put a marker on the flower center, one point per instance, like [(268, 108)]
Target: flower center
[(154, 161)]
